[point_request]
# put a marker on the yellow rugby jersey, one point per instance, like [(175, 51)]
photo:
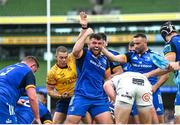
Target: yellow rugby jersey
[(63, 79)]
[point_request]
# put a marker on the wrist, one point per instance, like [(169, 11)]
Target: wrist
[(84, 27)]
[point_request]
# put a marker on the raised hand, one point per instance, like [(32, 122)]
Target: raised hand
[(83, 19), (89, 31)]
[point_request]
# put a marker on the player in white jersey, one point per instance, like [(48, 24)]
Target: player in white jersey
[(123, 89)]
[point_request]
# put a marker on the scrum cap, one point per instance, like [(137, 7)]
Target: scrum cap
[(166, 29)]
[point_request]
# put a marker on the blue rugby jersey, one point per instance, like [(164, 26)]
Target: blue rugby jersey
[(141, 63), (91, 72), (13, 81), (25, 115), (174, 46)]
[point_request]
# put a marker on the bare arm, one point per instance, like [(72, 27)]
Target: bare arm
[(116, 71), (162, 79), (175, 65), (31, 92), (157, 72), (110, 90), (84, 23), (112, 57), (51, 91), (78, 47)]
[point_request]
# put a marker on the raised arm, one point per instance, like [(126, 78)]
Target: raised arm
[(84, 23), (85, 32), (115, 58), (78, 47)]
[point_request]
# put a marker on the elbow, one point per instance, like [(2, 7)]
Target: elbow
[(32, 99)]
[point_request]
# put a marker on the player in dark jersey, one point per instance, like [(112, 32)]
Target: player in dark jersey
[(15, 80)]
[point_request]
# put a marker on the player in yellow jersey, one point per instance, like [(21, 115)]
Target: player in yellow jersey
[(60, 82)]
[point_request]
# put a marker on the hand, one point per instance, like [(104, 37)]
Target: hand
[(147, 75), (65, 95), (89, 31), (36, 121), (174, 65), (21, 101), (83, 19)]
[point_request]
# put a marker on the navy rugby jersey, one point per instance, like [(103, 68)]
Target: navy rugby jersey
[(113, 64), (91, 73)]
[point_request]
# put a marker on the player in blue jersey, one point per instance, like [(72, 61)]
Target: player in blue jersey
[(92, 69), (24, 112), (133, 118), (115, 67), (15, 80), (140, 61), (172, 53)]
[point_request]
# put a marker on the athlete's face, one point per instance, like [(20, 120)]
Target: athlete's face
[(96, 46), (33, 67), (61, 58), (140, 44)]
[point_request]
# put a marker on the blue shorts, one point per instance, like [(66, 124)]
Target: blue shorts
[(79, 105), (157, 102), (7, 114), (62, 105)]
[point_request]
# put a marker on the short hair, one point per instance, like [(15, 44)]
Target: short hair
[(140, 35), (95, 36), (103, 35), (61, 49), (30, 59), (131, 44), (42, 93)]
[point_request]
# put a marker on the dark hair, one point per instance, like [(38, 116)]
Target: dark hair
[(42, 93), (31, 58), (95, 36), (103, 35), (61, 49), (140, 35)]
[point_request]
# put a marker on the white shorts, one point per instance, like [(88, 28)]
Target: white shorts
[(131, 86)]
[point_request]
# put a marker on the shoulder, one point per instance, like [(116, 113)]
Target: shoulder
[(53, 69), (113, 52)]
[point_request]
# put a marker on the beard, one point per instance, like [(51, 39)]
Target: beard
[(95, 52)]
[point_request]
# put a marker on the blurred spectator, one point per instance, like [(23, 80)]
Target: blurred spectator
[(3, 2), (98, 6)]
